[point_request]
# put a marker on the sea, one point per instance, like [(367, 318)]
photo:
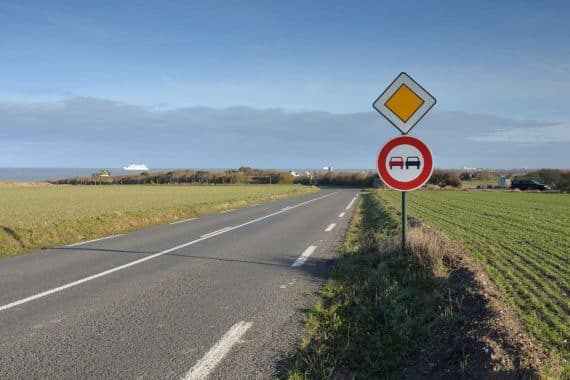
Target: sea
[(44, 174)]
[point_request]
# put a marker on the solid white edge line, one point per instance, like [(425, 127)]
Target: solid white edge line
[(183, 221), (304, 256), (132, 263), (341, 214), (231, 209), (94, 240), (330, 227), (208, 363)]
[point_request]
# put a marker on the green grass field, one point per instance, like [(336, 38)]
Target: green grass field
[(523, 242), (37, 216), (473, 183)]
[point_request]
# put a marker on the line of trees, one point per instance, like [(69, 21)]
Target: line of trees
[(348, 179), (243, 175), (556, 178), (484, 175)]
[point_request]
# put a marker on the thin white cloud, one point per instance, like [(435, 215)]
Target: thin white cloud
[(560, 69), (534, 135)]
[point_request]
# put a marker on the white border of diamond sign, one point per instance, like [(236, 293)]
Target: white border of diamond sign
[(380, 103)]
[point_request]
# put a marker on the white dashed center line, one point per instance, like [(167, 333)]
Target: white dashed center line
[(304, 256), (351, 203), (217, 232), (213, 357)]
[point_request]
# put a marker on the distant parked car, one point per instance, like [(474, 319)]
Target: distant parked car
[(528, 184), (413, 161), (396, 161)]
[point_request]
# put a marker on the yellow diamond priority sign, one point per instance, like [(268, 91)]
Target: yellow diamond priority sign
[(404, 103)]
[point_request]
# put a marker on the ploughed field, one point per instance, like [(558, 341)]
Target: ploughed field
[(39, 216), (523, 242)]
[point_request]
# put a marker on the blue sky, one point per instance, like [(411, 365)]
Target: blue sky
[(500, 72)]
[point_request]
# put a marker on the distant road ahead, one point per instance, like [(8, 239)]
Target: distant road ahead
[(221, 296)]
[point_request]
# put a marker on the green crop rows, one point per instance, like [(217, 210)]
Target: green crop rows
[(523, 242)]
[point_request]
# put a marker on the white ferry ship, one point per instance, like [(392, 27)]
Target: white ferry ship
[(137, 167)]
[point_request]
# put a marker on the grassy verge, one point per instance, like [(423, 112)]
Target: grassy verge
[(522, 240), (426, 312), (34, 217)]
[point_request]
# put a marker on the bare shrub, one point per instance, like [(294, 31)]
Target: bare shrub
[(428, 247), (389, 245), (443, 178), (485, 175)]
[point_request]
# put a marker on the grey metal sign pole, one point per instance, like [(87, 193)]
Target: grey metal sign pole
[(404, 214), (404, 219)]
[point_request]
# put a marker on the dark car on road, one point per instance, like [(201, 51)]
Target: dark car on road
[(528, 184), (413, 161)]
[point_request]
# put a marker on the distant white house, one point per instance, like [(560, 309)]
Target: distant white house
[(328, 168), (293, 173), (102, 173)]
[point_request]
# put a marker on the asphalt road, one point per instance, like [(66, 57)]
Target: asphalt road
[(220, 297)]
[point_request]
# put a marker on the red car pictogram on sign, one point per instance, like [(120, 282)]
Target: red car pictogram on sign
[(396, 161)]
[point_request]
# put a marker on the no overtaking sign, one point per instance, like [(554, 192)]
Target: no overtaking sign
[(405, 163)]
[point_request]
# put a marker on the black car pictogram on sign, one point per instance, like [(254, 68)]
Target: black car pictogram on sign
[(413, 161)]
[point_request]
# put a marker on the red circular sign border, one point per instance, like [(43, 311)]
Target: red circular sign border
[(409, 185)]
